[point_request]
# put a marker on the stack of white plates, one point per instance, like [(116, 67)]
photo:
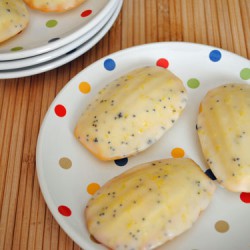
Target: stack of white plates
[(52, 39)]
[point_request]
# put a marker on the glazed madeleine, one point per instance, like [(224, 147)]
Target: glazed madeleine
[(149, 204), (53, 5), (14, 17), (224, 132), (131, 113)]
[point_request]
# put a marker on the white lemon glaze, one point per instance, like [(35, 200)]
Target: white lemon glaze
[(53, 5), (149, 204), (131, 113), (14, 17), (224, 132)]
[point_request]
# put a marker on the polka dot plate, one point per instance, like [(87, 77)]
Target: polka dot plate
[(45, 57), (49, 31), (68, 174), (68, 52)]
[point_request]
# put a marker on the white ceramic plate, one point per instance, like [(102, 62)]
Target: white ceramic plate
[(67, 171), (61, 28), (63, 59), (41, 58)]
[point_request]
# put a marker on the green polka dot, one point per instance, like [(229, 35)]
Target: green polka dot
[(17, 48), (193, 83), (245, 74), (51, 23)]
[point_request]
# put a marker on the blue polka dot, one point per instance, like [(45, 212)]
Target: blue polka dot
[(121, 162), (215, 55), (210, 174), (109, 64)]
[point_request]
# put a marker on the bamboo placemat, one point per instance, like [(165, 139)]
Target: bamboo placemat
[(25, 221)]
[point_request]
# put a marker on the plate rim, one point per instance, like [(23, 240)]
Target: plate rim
[(54, 63), (62, 49), (63, 41)]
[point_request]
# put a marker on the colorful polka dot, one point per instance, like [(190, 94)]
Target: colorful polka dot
[(245, 197), (17, 48), (65, 163), (193, 83), (245, 74), (215, 55), (92, 188), (64, 210), (60, 110), (86, 13), (53, 40), (121, 162), (210, 174), (51, 23), (162, 62), (177, 153), (221, 226), (84, 87), (109, 64)]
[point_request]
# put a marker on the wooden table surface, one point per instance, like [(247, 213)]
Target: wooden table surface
[(25, 220)]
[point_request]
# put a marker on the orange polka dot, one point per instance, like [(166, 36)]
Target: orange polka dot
[(92, 188), (84, 87), (177, 152)]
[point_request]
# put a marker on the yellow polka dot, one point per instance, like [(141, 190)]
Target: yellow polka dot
[(92, 188), (177, 153), (84, 87), (221, 226), (65, 163)]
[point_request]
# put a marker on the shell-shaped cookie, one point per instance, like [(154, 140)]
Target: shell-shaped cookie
[(131, 113), (14, 17), (224, 132), (149, 204), (53, 5)]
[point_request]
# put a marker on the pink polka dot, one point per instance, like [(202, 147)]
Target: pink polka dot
[(64, 210), (245, 197), (60, 110), (162, 62), (86, 13)]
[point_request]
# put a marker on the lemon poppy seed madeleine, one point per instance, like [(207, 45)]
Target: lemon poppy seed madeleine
[(14, 17), (149, 204), (131, 113), (224, 132), (53, 5)]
